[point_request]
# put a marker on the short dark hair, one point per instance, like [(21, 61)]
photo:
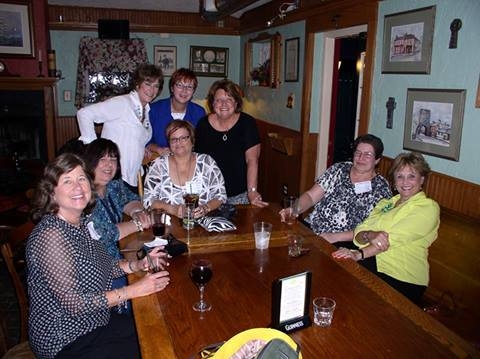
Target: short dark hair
[(177, 124), (411, 159), (231, 88), (148, 72), (372, 140), (185, 75), (99, 148), (43, 200)]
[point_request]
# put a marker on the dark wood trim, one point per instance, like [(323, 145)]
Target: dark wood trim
[(80, 18)]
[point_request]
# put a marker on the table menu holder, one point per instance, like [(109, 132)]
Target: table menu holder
[(291, 302)]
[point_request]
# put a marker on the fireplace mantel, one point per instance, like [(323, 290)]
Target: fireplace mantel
[(47, 85)]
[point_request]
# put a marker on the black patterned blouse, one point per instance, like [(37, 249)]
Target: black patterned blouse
[(68, 274), (341, 209)]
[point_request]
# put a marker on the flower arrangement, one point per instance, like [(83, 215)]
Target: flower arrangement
[(261, 74)]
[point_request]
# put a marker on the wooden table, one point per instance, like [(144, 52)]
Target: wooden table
[(371, 319)]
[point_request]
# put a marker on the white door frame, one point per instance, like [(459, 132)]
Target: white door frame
[(326, 91)]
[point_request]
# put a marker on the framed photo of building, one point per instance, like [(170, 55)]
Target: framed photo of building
[(16, 36), (209, 61), (166, 58), (434, 121), (407, 41)]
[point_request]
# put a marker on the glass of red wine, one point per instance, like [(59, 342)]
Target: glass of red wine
[(201, 273), (158, 222)]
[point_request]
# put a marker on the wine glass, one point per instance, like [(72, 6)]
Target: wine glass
[(201, 273)]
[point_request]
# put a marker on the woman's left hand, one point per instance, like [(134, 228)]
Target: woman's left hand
[(159, 258), (255, 198), (144, 219)]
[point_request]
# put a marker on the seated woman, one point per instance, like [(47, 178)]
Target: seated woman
[(114, 200), (345, 193), (70, 274), (183, 171), (399, 230)]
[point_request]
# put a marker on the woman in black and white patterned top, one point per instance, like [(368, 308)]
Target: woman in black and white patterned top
[(72, 306), (183, 171)]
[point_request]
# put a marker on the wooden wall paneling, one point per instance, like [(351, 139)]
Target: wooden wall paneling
[(85, 19), (277, 168), (67, 128)]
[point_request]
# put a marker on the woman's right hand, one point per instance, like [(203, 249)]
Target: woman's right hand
[(149, 284), (379, 239)]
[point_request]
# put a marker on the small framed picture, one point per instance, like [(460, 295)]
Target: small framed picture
[(166, 58), (16, 36), (407, 41), (291, 59), (209, 61), (433, 122)]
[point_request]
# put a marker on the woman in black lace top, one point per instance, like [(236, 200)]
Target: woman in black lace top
[(72, 307)]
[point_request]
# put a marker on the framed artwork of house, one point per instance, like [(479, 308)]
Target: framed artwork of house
[(407, 41)]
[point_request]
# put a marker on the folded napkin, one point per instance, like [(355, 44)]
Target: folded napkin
[(156, 243), (216, 224)]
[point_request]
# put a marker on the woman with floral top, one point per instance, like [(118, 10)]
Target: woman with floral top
[(345, 193), (399, 231), (125, 120)]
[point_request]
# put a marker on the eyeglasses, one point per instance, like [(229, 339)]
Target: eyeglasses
[(222, 101), (366, 155), (181, 139), (181, 86)]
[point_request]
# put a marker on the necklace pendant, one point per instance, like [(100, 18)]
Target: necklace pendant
[(224, 137)]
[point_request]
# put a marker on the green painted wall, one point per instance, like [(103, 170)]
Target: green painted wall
[(66, 43), (450, 69)]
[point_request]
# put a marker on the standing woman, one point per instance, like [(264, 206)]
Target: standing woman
[(70, 274), (178, 106), (231, 138), (125, 120)]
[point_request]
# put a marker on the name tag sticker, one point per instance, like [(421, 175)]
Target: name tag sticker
[(362, 187)]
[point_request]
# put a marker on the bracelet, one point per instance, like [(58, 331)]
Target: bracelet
[(361, 253), (252, 189), (122, 299), (130, 266), (138, 224)]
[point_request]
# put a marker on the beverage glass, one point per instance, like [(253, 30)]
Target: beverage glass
[(262, 231), (201, 273), (294, 245), (158, 217), (291, 212), (188, 216), (191, 198), (323, 308)]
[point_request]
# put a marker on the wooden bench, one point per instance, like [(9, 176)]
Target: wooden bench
[(454, 290)]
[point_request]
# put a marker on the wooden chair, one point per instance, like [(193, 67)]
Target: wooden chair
[(12, 245), (145, 164)]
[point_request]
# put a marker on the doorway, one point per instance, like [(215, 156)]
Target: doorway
[(341, 91)]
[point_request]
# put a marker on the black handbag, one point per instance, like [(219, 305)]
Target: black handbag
[(174, 247)]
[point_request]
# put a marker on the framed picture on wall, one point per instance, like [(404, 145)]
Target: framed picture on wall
[(434, 121), (291, 59), (407, 41), (16, 36), (166, 58), (209, 61)]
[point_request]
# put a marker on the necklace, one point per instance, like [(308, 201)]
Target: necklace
[(225, 137), (177, 172)]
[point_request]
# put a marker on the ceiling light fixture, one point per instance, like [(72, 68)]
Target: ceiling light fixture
[(282, 11)]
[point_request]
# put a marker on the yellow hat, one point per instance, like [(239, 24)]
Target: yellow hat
[(236, 342)]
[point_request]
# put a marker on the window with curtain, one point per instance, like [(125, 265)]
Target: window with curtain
[(105, 68)]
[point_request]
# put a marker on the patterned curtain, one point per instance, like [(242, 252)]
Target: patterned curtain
[(105, 67)]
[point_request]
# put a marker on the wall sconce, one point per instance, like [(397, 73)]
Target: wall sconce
[(283, 10)]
